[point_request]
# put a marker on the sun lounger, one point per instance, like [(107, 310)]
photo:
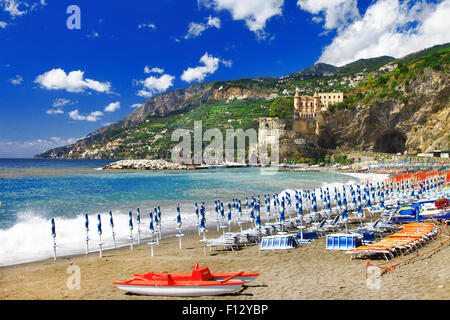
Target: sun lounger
[(343, 241), (410, 237), (278, 242)]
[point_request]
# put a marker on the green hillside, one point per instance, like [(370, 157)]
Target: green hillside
[(150, 137)]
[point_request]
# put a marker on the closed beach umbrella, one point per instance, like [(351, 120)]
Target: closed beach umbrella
[(130, 221), (258, 220), (138, 216), (53, 228), (54, 237), (300, 210), (196, 212), (111, 221), (156, 217), (202, 224), (86, 227), (178, 217), (99, 224), (222, 211), (151, 227)]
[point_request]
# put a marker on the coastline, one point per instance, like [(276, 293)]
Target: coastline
[(307, 272)]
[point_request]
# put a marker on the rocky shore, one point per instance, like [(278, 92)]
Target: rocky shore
[(146, 165)]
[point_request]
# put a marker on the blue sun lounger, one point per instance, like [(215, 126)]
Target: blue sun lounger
[(278, 242), (343, 241)]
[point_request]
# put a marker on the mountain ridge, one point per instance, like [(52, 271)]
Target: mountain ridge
[(321, 76)]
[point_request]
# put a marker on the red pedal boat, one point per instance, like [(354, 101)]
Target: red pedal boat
[(200, 282)]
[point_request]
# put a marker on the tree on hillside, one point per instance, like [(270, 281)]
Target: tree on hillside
[(282, 108)]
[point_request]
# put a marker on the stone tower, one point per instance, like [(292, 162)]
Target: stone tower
[(297, 102)]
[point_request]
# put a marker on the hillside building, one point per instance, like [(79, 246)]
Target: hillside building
[(308, 107)]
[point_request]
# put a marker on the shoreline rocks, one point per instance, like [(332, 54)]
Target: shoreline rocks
[(146, 165)]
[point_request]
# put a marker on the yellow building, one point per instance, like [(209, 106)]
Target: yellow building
[(309, 106), (329, 98)]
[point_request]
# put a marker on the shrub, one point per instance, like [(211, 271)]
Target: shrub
[(282, 108)]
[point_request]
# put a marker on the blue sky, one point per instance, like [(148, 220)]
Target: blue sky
[(57, 85)]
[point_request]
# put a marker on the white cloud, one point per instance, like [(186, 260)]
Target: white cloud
[(390, 27), (255, 13), (92, 117), (336, 13), (210, 65), (17, 80), (60, 102), (57, 79), (136, 105), (153, 70), (153, 85), (3, 24), (14, 7), (196, 29), (150, 26), (94, 34), (24, 149), (113, 106), (55, 111)]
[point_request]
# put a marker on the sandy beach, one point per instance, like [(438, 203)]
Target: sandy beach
[(307, 272)]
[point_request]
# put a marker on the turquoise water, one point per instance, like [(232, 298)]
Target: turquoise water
[(34, 191)]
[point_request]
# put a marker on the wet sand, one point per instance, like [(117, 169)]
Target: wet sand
[(307, 272)]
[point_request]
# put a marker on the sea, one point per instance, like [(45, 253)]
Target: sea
[(33, 191)]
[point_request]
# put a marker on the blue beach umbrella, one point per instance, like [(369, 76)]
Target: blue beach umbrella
[(344, 215), (258, 220), (222, 211), (156, 217), (300, 210), (151, 228), (111, 221), (202, 224), (178, 217), (53, 228), (99, 224), (86, 222), (130, 222), (159, 215), (138, 217), (314, 207), (54, 238), (282, 218), (252, 214), (196, 212)]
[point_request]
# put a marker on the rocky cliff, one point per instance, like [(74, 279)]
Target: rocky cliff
[(416, 122)]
